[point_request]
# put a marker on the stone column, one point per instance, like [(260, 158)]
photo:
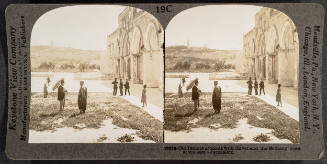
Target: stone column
[(268, 61), (269, 66), (256, 67), (152, 63), (296, 65), (285, 68)]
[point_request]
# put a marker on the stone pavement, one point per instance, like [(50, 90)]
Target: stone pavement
[(288, 109), (95, 84), (289, 94), (154, 99), (289, 98)]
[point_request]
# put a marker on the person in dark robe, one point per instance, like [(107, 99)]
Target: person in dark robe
[(82, 98), (255, 86), (216, 98), (196, 95), (121, 87), (127, 88), (61, 95), (249, 86), (279, 95), (262, 87), (180, 92), (143, 98), (115, 86), (183, 81), (46, 87)]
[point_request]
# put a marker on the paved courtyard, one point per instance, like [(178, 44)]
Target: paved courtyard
[(251, 117), (104, 121)]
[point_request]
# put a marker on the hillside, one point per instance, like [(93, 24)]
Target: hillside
[(63, 57), (200, 52), (199, 59)]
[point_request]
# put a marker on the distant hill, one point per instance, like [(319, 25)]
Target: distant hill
[(200, 52), (199, 58), (63, 55)]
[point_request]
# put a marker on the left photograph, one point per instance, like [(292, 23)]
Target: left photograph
[(96, 76)]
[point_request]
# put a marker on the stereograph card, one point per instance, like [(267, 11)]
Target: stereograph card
[(165, 81)]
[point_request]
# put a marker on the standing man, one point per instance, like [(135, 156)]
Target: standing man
[(196, 95), (180, 92), (255, 86), (82, 98), (262, 87), (216, 98), (61, 95), (45, 87), (183, 81), (249, 86), (127, 88), (121, 87), (279, 95), (143, 98), (115, 87)]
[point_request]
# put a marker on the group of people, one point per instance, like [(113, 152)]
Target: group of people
[(262, 88), (82, 94), (62, 92), (127, 86), (255, 86), (121, 87), (216, 96)]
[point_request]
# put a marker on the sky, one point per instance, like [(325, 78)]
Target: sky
[(82, 27), (215, 26), (87, 26)]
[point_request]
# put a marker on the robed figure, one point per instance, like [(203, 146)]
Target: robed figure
[(196, 95), (216, 97), (82, 98), (249, 86)]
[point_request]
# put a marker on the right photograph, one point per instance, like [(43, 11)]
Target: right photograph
[(231, 76)]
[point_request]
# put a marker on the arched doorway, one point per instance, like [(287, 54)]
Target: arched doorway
[(124, 54), (252, 61), (272, 55), (262, 57), (288, 56), (137, 45), (153, 57), (129, 68), (264, 68)]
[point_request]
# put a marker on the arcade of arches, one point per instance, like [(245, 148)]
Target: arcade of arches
[(134, 50), (271, 48)]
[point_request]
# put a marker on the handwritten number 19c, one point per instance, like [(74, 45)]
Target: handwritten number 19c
[(164, 9)]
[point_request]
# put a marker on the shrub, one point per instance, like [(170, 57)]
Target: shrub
[(261, 138), (238, 137), (47, 65), (94, 66), (183, 65), (67, 66), (202, 66), (126, 138), (221, 64), (83, 66), (229, 66)]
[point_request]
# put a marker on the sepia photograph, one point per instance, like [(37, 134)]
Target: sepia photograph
[(96, 76), (231, 76)]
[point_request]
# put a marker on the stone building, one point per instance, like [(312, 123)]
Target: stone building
[(135, 49), (271, 48)]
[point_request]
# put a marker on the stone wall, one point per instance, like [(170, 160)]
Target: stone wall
[(135, 49), (271, 48)]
